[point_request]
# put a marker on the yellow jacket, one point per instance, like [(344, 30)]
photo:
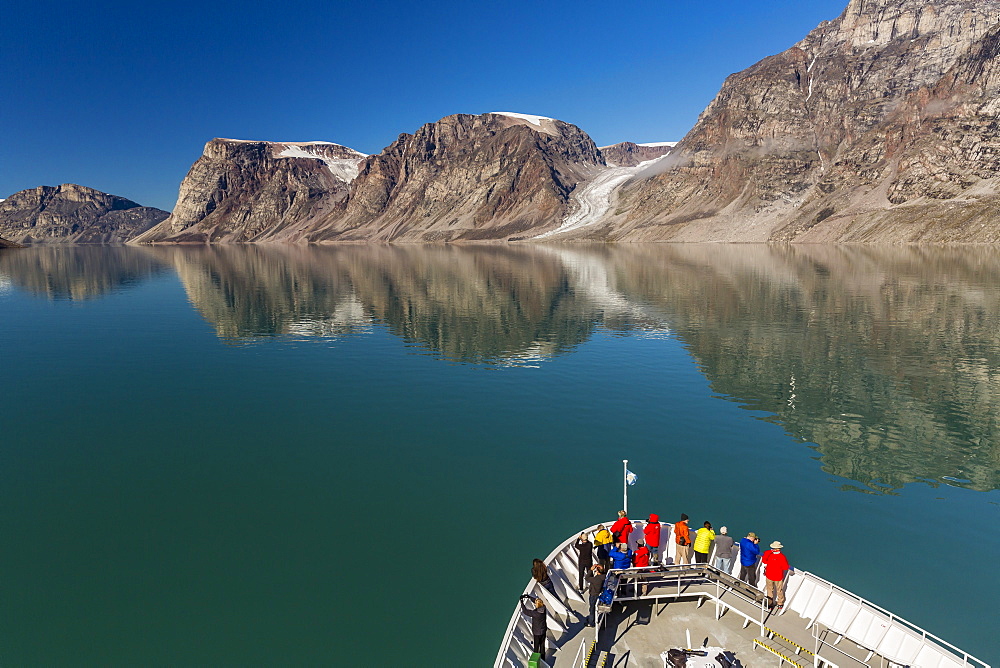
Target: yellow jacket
[(602, 537), (703, 540)]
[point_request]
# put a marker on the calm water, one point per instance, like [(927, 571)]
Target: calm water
[(295, 456)]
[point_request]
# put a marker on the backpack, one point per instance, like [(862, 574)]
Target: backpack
[(606, 596)]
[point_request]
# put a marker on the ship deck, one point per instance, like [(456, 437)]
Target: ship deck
[(695, 606), (637, 630)]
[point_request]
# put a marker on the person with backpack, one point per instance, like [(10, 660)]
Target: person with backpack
[(539, 624), (651, 533), (682, 536), (621, 529)]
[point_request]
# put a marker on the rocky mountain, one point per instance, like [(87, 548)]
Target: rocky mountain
[(498, 176), (880, 126), (73, 214), (627, 154), (258, 190), (495, 176)]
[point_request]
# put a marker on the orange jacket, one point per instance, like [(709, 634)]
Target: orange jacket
[(681, 532)]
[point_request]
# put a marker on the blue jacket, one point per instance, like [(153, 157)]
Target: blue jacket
[(621, 559), (749, 551)]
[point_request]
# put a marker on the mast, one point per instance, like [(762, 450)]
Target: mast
[(625, 485)]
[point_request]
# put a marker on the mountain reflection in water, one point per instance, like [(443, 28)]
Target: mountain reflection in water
[(885, 358), (77, 272)]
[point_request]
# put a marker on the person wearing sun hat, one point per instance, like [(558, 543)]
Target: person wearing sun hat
[(775, 568)]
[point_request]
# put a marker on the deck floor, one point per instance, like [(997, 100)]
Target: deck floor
[(637, 631)]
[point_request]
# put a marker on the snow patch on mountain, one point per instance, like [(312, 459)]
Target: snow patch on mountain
[(671, 144), (534, 120), (345, 169), (593, 200)]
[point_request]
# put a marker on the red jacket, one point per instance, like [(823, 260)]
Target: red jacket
[(641, 556), (652, 531), (775, 565), (624, 524)]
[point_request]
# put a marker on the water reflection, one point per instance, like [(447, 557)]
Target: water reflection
[(76, 272), (491, 304), (885, 358)]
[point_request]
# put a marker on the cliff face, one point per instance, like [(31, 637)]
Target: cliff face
[(628, 154), (257, 191), (491, 176), (880, 125), (73, 214)]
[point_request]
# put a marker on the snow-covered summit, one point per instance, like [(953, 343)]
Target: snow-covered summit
[(670, 144), (295, 143), (344, 168), (531, 118)]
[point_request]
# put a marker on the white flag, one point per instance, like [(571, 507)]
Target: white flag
[(630, 477)]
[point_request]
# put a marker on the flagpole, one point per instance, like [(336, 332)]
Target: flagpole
[(625, 484)]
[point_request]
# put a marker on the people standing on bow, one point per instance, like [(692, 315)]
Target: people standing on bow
[(595, 585), (775, 568), (539, 624), (682, 536), (584, 556), (749, 551), (540, 572), (703, 543), (724, 551), (621, 529), (602, 546), (651, 532)]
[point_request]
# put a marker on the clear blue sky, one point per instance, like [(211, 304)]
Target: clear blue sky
[(122, 96)]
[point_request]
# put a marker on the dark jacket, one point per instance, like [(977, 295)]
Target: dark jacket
[(585, 549), (538, 623), (595, 583)]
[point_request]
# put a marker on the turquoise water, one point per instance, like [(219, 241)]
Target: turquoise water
[(296, 456)]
